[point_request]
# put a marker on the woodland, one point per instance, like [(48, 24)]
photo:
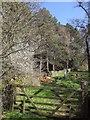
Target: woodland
[(33, 45)]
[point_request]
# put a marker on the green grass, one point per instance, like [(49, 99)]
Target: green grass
[(25, 116), (58, 76), (51, 84), (84, 75), (44, 92), (69, 82), (73, 80)]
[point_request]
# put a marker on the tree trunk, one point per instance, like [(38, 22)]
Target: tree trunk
[(88, 41), (1, 23), (40, 64), (53, 67), (84, 107), (9, 93), (47, 64), (88, 56), (54, 64), (67, 64)]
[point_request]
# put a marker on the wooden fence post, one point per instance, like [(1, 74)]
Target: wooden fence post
[(14, 97), (9, 91), (84, 107), (22, 106), (70, 109), (23, 110), (23, 103)]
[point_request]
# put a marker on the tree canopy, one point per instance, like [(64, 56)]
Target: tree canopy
[(31, 35)]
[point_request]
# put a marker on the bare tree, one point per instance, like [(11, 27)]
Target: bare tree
[(87, 11)]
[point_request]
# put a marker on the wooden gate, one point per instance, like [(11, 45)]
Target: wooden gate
[(48, 101)]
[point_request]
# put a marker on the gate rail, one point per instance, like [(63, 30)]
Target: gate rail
[(50, 101)]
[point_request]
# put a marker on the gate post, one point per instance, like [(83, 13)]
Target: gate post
[(84, 105), (9, 93), (13, 97)]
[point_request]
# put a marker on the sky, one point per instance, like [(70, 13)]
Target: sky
[(64, 11)]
